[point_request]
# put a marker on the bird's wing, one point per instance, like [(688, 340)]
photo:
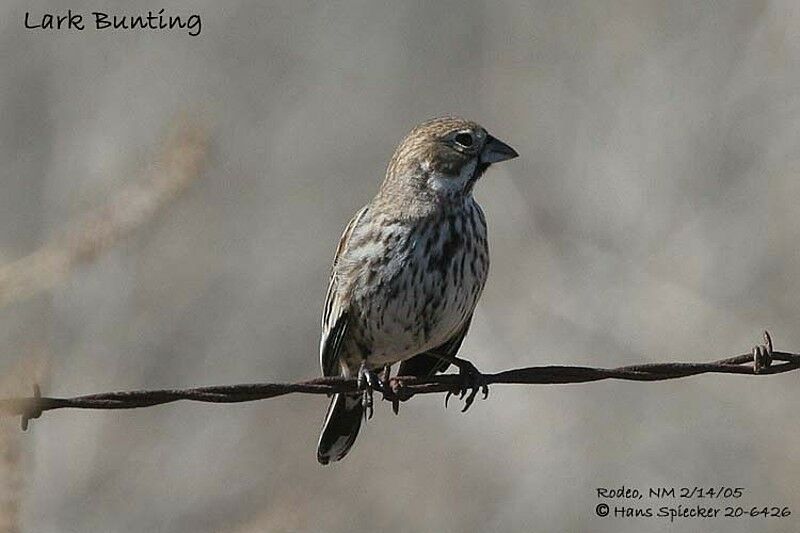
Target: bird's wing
[(425, 364), (335, 312)]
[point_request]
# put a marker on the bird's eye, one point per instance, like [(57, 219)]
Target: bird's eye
[(464, 139)]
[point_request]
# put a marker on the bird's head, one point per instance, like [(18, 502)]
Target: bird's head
[(445, 157)]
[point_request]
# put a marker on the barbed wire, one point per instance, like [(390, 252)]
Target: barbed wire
[(759, 362)]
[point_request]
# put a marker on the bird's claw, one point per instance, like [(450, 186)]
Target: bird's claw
[(368, 381), (391, 389), (398, 394), (472, 381)]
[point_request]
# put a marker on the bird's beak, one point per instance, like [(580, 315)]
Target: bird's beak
[(495, 151)]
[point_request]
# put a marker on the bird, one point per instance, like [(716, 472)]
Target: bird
[(407, 273)]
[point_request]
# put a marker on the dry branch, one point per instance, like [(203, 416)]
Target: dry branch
[(13, 460), (759, 362), (182, 157)]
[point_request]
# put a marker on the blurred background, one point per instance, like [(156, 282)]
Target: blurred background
[(169, 207)]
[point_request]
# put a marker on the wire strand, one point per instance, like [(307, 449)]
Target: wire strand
[(401, 388)]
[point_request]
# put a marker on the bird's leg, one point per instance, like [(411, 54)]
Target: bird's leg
[(471, 380), (368, 381)]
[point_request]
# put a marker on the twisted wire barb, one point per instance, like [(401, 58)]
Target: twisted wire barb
[(759, 362)]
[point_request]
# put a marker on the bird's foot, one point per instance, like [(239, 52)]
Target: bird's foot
[(472, 381), (391, 389), (368, 381)]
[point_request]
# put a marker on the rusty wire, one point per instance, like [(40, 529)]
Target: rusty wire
[(758, 362)]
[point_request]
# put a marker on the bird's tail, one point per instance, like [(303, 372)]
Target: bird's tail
[(340, 429)]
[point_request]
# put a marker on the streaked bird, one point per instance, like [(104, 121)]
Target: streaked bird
[(408, 272)]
